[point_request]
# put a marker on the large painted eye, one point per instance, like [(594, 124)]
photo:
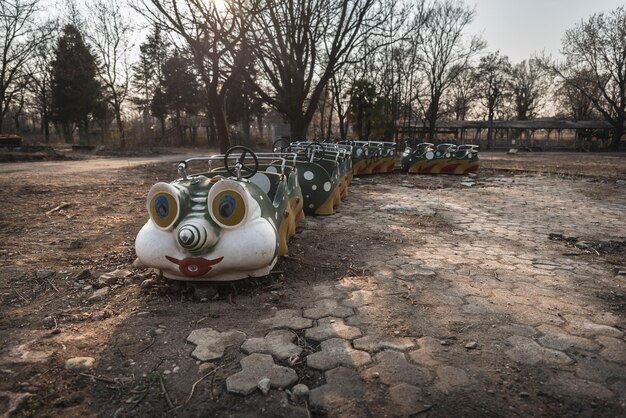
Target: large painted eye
[(163, 204), (228, 208)]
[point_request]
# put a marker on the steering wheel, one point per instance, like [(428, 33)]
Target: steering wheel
[(281, 145), (241, 162), (314, 152)]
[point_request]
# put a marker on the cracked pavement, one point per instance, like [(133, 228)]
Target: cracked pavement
[(421, 296), (493, 315)]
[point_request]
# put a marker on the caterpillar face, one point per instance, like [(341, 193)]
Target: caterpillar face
[(212, 229)]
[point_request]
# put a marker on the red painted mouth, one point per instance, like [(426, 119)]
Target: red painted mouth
[(194, 266)]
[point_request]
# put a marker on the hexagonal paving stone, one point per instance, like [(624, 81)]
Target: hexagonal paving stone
[(394, 368), (374, 344), (331, 328), (567, 385), (558, 339), (413, 272), (287, 318), (527, 351), (327, 307), (326, 291), (343, 393), (256, 367), (429, 348), (613, 349), (337, 352), (210, 344), (450, 377), (278, 343), (583, 327), (406, 400)]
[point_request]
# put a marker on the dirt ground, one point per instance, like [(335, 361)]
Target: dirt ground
[(65, 223)]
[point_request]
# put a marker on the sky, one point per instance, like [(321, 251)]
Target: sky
[(519, 28)]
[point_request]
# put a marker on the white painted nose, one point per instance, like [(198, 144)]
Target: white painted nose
[(196, 235)]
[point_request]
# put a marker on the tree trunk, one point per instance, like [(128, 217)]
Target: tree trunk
[(66, 129), (616, 136), (245, 128), (1, 113), (83, 131), (221, 128), (433, 110), (490, 142), (259, 122), (45, 125), (213, 136), (299, 126), (120, 127), (330, 122), (179, 129)]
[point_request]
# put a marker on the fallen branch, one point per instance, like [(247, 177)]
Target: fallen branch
[(311, 264), (193, 387), (146, 347), (52, 284), (102, 379), (63, 205), (23, 298), (165, 393)]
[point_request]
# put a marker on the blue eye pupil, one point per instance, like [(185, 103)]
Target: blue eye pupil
[(161, 206), (226, 206)]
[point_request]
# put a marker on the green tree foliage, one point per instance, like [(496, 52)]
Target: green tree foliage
[(74, 85)]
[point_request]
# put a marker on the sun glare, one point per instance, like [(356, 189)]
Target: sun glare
[(220, 5)]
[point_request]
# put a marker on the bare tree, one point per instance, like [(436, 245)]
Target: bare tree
[(597, 47), (300, 44), (109, 33), (463, 92), (337, 85), (493, 74), (147, 75), (444, 53), (572, 102), (388, 60), (214, 37), (20, 39), (396, 66), (529, 88), (40, 81)]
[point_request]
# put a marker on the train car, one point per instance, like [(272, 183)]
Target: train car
[(426, 158)]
